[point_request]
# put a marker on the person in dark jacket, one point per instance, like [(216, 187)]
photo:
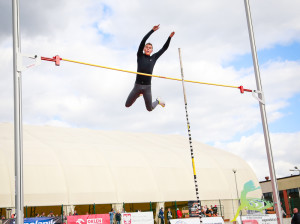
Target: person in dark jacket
[(118, 217), (146, 63), (296, 216), (161, 215)]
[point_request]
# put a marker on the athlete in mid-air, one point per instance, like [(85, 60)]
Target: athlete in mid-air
[(146, 63)]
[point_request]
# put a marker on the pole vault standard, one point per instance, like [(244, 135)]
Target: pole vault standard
[(18, 138), (57, 60), (190, 138), (263, 115)]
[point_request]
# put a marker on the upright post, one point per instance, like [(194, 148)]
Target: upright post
[(94, 208), (176, 210), (237, 194), (62, 214), (18, 138), (150, 206), (190, 138), (220, 207), (263, 115)]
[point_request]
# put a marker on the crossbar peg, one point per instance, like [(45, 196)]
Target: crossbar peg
[(241, 89), (57, 60)]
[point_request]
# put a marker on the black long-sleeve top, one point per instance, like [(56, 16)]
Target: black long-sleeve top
[(146, 63)]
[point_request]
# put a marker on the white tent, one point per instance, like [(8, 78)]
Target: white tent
[(80, 166)]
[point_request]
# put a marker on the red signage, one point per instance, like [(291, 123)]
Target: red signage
[(89, 219)]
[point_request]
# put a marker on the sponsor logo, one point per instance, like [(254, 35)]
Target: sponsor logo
[(41, 222), (79, 221), (180, 222), (254, 204), (94, 221)]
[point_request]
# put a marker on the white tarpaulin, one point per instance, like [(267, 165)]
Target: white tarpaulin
[(137, 218), (258, 219), (74, 166), (205, 220)]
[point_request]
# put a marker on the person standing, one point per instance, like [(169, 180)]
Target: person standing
[(111, 216), (296, 216), (169, 215), (161, 215), (146, 63), (118, 217), (179, 213)]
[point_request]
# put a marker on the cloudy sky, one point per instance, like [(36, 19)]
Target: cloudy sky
[(213, 38)]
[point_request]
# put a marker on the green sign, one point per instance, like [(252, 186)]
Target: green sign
[(255, 204)]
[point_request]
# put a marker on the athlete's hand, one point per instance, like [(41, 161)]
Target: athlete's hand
[(156, 27), (172, 34)]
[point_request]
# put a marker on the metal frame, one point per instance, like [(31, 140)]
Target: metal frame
[(263, 115), (18, 129)]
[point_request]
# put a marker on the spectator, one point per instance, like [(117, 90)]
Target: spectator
[(202, 213), (161, 215), (51, 214), (64, 218), (70, 213), (37, 215), (2, 217), (118, 217), (208, 212), (111, 216), (87, 213), (296, 216), (215, 210), (75, 212), (169, 215), (179, 213), (43, 214)]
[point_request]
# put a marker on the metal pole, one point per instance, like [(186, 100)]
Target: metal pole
[(18, 138), (220, 208), (190, 138), (94, 208), (62, 214), (263, 116), (237, 193)]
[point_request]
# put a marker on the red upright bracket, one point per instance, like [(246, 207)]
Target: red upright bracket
[(55, 59), (241, 89), (244, 90)]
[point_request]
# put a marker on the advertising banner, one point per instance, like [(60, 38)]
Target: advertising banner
[(205, 220), (89, 219), (36, 220), (258, 219), (193, 209), (137, 218)]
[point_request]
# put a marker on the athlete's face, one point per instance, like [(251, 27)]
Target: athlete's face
[(148, 49)]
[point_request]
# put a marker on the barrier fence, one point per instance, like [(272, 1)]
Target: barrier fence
[(222, 208)]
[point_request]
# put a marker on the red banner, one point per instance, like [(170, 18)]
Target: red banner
[(89, 219)]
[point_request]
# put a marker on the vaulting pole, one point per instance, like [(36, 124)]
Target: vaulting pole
[(18, 138), (190, 138), (263, 116)]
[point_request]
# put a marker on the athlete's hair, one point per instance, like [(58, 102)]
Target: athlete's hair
[(149, 44)]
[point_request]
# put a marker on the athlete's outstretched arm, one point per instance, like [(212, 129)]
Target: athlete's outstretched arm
[(143, 42), (165, 47)]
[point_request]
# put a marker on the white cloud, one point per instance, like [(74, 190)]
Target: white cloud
[(252, 149)]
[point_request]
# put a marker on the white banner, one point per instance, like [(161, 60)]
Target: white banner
[(205, 220), (138, 218), (258, 219)]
